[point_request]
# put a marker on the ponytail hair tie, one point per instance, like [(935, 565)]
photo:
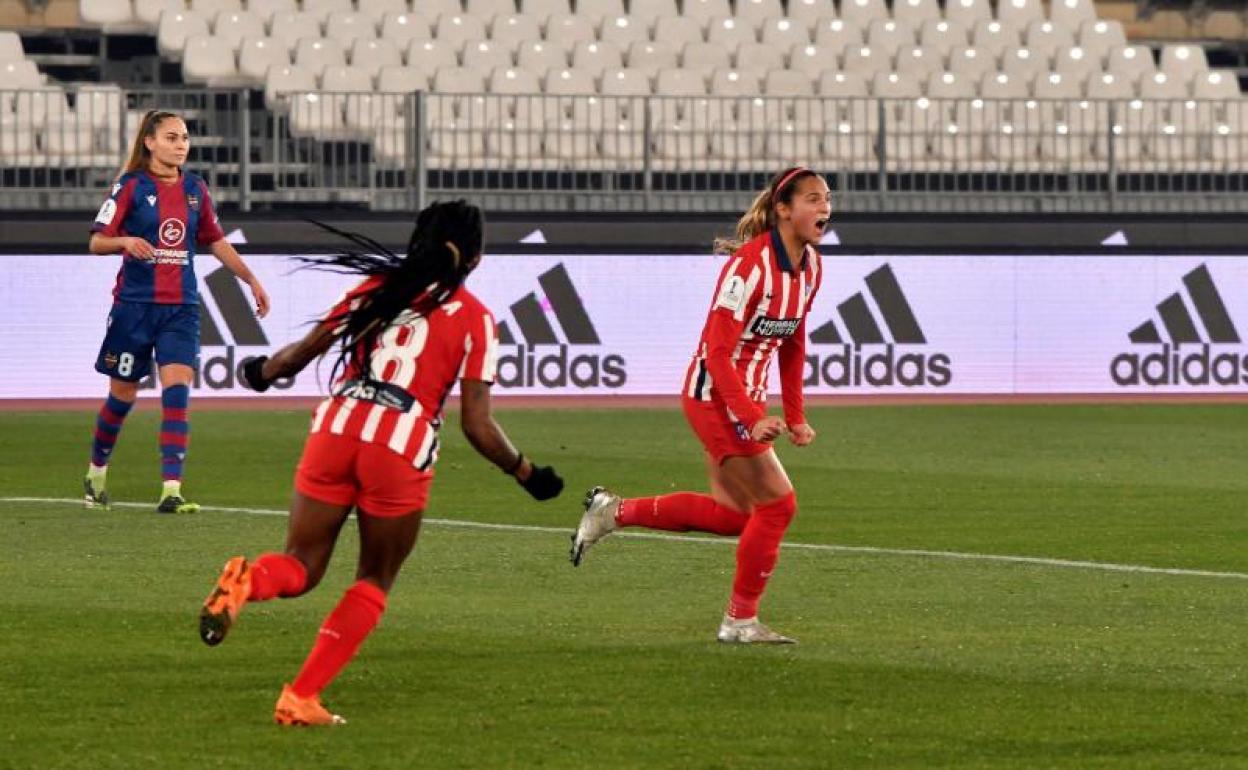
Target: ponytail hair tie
[(455, 255)]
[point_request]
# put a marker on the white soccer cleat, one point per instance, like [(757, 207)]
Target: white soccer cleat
[(749, 631), (601, 505)]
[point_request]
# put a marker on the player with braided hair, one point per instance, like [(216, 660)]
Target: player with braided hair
[(404, 336)]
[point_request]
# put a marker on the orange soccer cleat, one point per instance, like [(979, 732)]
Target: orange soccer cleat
[(222, 605), (293, 710)]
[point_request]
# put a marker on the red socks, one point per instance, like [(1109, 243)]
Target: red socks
[(757, 551), (681, 512), (342, 634), (276, 574)]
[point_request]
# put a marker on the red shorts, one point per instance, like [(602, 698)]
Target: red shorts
[(343, 470), (721, 436)]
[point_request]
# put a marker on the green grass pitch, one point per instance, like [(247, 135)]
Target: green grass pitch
[(495, 652)]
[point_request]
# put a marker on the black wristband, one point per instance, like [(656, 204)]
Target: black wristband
[(519, 461)]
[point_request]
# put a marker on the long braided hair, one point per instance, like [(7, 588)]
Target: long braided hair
[(444, 247)]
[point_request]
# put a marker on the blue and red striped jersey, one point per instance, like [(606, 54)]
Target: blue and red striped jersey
[(175, 217)]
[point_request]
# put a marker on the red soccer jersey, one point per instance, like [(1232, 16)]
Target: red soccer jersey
[(760, 306), (415, 363)]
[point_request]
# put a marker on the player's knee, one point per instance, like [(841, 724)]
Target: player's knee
[(778, 511)]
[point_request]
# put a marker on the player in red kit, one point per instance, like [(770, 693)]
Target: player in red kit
[(405, 336), (156, 216), (759, 310)]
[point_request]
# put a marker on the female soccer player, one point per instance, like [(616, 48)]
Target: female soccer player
[(156, 217), (405, 335), (760, 307)]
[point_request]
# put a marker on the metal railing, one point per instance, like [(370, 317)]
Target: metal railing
[(392, 151)]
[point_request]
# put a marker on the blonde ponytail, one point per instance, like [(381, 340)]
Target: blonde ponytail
[(761, 215)]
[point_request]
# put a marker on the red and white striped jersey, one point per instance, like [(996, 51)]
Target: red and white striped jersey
[(415, 363), (760, 306)]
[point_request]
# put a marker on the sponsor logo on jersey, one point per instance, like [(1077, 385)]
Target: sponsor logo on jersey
[(775, 327), (1190, 348), (854, 349), (540, 358)]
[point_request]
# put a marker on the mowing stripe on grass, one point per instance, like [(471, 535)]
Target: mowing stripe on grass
[(859, 549)]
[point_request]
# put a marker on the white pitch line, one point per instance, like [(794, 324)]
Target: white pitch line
[(1039, 561)]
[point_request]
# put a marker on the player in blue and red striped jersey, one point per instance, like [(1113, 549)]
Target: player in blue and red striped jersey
[(156, 217), (764, 293)]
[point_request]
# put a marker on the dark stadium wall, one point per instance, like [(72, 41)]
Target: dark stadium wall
[(43, 233)]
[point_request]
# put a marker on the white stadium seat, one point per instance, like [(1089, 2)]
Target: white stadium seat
[(1072, 13), (1020, 12), (703, 11), (916, 12), (971, 61), (1183, 61), (1047, 38), (760, 57), (349, 26), (652, 57), (1025, 63), (677, 31), (812, 60), (175, 29), (943, 35), (1132, 61), (919, 60), (377, 9), (758, 11), (401, 28), (782, 82), (232, 27), (652, 10), (624, 30), (540, 56), (704, 57), (836, 34), (321, 9), (431, 55), (488, 9), (1075, 61), (284, 80), (863, 12), (810, 12), (317, 54), (513, 30), (485, 57), (731, 32), (596, 57), (210, 8), (257, 54), (148, 11), (994, 37), (457, 29), (375, 55), (888, 36), (864, 59), (266, 8), (105, 14), (433, 9), (1098, 36), (205, 63), (542, 9), (293, 26), (968, 13), (784, 33), (597, 11), (569, 29)]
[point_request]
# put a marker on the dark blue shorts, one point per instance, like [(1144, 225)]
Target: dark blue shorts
[(137, 329)]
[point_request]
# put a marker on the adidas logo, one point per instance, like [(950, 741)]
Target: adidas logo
[(526, 368), (1169, 366), (856, 326), (224, 371)]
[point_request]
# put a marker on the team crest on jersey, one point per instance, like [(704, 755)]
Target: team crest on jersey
[(172, 231), (110, 360)]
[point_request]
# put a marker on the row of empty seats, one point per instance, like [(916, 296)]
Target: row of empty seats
[(601, 14)]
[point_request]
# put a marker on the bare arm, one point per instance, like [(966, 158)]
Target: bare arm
[(486, 435), (228, 255), (291, 359), (108, 244)]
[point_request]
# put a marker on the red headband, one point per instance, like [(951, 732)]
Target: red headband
[(788, 178)]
